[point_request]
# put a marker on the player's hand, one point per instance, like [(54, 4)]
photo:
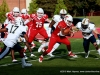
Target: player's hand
[(49, 32), (49, 35)]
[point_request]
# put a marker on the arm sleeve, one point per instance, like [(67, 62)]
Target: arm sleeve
[(56, 18)]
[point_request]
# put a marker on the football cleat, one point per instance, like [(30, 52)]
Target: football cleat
[(43, 49), (72, 55), (40, 59), (26, 65), (26, 57), (33, 45), (87, 54), (32, 55), (14, 60), (51, 55)]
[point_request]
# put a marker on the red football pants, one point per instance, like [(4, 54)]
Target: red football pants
[(34, 32)]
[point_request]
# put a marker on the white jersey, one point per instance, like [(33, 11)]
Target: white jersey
[(87, 33), (57, 19), (14, 32), (6, 21), (21, 38)]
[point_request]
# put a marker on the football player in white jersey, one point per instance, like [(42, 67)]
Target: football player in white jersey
[(14, 32), (10, 17), (87, 30)]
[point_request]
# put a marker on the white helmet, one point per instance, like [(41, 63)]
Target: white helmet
[(63, 11), (23, 11), (40, 12), (19, 21), (85, 23), (7, 14), (68, 20), (16, 11)]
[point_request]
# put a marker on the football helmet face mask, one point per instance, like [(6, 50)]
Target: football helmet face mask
[(63, 12), (40, 12), (85, 23), (16, 12), (68, 20), (19, 21)]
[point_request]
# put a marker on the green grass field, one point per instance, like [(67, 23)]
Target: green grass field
[(61, 64)]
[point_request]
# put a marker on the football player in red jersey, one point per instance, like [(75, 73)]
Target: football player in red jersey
[(24, 14), (38, 20), (52, 26), (58, 35)]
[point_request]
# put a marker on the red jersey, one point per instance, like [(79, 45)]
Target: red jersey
[(10, 16), (38, 22), (61, 24), (25, 16)]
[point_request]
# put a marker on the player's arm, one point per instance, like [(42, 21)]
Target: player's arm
[(26, 38), (63, 31), (96, 32), (48, 20), (75, 29), (3, 30), (52, 23), (0, 25)]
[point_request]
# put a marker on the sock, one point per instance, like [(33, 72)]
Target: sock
[(69, 52), (98, 51), (23, 61), (42, 46), (25, 47), (42, 56), (54, 47)]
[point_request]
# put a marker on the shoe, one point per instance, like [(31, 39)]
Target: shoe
[(26, 65), (32, 55), (43, 49), (72, 55), (26, 57), (87, 54), (33, 45), (14, 60), (51, 55), (40, 59)]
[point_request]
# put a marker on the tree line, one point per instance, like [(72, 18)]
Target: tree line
[(51, 7), (74, 7)]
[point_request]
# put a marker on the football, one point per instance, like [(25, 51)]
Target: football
[(67, 32)]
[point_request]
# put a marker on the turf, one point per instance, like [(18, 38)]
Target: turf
[(61, 64)]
